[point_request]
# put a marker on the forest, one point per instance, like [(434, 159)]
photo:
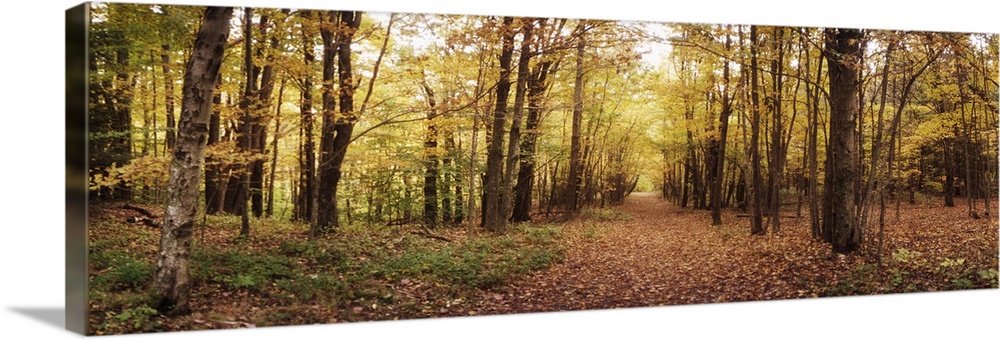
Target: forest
[(253, 167)]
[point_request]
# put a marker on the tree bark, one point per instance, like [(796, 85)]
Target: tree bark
[(171, 283), (949, 172), (843, 50), (813, 127), (261, 108), (526, 171), (776, 164), (307, 166), (757, 187), (337, 130), (246, 136), (213, 170), (430, 160), (492, 218), (573, 181), (325, 195), (719, 147), (168, 97), (514, 140), (274, 149)]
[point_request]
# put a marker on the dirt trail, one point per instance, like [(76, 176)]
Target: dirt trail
[(662, 255), (659, 254)]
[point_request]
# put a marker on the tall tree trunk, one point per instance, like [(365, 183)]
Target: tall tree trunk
[(459, 215), (430, 160), (573, 181), (155, 131), (526, 171), (213, 170), (246, 138), (259, 127), (691, 163), (454, 201), (447, 177), (168, 96), (757, 187), (274, 149), (325, 193), (777, 156), (963, 78), (949, 171), (337, 130), (349, 23), (144, 95), (307, 166), (478, 92), (171, 283), (843, 54), (492, 210), (875, 175), (813, 128), (514, 139), (719, 148)]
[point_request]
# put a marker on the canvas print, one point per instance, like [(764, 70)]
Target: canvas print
[(252, 167)]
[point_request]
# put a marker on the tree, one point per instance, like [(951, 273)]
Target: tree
[(110, 100), (172, 283), (214, 195), (260, 108), (307, 153), (274, 149), (492, 218), (430, 158), (718, 146), (573, 182), (337, 31), (777, 157), (757, 219), (538, 83), (241, 181), (514, 140), (168, 103), (843, 53), (812, 126)]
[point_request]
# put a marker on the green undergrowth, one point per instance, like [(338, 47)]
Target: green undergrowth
[(604, 215), (291, 279), (906, 271)]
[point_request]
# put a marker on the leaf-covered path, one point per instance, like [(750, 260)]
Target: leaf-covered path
[(646, 252), (658, 254)]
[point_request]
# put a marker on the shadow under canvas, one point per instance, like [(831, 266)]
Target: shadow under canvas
[(53, 316)]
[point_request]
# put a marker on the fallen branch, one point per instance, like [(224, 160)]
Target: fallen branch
[(399, 221), (783, 216), (140, 210), (150, 219), (145, 220), (427, 233)]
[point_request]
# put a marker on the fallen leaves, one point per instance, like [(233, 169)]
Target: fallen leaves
[(647, 253), (665, 255)]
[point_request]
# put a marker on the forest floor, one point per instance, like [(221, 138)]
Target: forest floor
[(646, 252), (654, 253)]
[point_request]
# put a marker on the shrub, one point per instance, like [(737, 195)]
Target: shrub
[(116, 270), (312, 287), (239, 270)]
